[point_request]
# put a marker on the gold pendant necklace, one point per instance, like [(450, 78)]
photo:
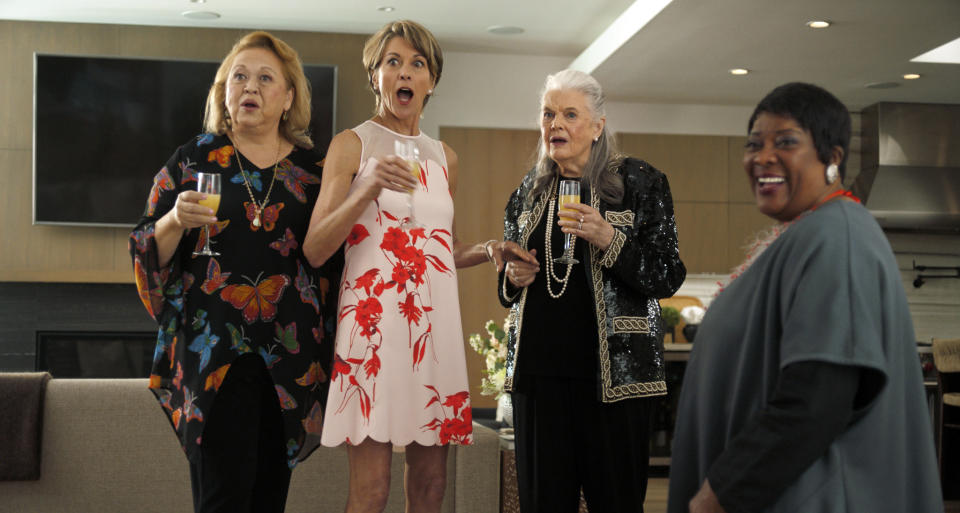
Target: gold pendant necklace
[(257, 207)]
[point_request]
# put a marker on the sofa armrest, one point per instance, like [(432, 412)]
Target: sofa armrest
[(477, 487)]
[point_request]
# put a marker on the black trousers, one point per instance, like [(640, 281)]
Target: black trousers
[(242, 465), (566, 439)]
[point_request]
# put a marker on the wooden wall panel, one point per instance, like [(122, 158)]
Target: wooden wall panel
[(355, 101), (738, 187), (695, 165), (745, 224), (702, 231), (492, 163)]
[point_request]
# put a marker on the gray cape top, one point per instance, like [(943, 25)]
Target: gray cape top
[(828, 289)]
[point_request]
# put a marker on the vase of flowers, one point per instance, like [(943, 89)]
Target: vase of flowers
[(692, 315), (493, 348)]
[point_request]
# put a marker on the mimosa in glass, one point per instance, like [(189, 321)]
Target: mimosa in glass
[(209, 184), (569, 193)]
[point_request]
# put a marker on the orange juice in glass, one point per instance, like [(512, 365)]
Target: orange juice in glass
[(209, 184), (212, 201), (569, 193)]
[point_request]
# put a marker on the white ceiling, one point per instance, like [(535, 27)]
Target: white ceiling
[(681, 56)]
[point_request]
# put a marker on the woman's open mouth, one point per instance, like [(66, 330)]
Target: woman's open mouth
[(769, 184), (404, 95)]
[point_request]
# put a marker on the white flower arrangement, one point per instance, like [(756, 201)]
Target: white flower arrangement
[(692, 314), (494, 350)]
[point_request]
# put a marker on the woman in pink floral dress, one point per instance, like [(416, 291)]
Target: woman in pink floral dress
[(399, 375)]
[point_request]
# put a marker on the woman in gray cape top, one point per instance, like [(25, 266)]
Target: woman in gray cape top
[(803, 391)]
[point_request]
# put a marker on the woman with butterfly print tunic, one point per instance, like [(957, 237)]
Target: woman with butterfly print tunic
[(245, 341), (399, 374)]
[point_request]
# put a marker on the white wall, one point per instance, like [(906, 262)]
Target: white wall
[(501, 91)]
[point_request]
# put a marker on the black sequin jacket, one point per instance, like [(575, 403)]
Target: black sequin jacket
[(641, 265)]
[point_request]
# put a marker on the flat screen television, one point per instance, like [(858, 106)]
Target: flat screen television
[(104, 126)]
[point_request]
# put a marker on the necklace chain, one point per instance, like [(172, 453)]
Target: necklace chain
[(258, 207), (551, 276)]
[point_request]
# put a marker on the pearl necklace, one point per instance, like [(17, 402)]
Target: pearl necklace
[(551, 276), (258, 207)]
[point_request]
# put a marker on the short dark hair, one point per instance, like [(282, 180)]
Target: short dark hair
[(816, 111)]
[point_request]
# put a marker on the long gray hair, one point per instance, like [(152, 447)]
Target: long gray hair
[(604, 160)]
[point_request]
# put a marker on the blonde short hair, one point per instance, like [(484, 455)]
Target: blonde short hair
[(294, 128), (419, 38)]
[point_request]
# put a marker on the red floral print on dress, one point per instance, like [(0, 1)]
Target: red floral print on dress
[(408, 259), (455, 427)]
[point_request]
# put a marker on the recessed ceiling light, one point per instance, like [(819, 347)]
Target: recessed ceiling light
[(200, 15), (198, 1), (504, 30), (882, 85), (818, 24), (739, 71), (387, 8), (911, 76)]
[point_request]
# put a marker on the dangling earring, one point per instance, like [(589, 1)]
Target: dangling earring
[(832, 174), (285, 115)]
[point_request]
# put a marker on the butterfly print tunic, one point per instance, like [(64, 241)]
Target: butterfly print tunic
[(260, 295), (399, 373)]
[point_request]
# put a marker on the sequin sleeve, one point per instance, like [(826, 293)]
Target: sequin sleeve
[(511, 232), (644, 252)]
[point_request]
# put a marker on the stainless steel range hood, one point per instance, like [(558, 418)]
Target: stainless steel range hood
[(911, 166)]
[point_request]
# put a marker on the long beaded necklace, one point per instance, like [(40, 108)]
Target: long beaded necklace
[(551, 276), (258, 207)]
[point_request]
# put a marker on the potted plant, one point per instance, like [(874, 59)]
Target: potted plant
[(670, 317)]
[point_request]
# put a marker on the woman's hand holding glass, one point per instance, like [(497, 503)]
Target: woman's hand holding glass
[(390, 172), (586, 223)]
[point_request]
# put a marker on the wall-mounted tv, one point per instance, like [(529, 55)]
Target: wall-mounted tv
[(104, 126)]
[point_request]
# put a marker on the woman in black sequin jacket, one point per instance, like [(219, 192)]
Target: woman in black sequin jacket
[(591, 356)]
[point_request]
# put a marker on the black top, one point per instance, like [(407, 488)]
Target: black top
[(559, 335), (812, 406)]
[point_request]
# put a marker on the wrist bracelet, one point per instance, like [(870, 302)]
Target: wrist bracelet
[(486, 249)]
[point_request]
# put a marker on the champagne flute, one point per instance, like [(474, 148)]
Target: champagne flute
[(569, 193), (408, 151), (209, 184)]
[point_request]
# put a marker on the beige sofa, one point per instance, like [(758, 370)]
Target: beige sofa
[(107, 447)]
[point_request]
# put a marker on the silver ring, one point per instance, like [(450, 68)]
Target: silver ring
[(581, 225)]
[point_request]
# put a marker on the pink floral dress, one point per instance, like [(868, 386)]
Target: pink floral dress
[(399, 372)]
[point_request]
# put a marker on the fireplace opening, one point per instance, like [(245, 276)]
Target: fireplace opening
[(71, 354)]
